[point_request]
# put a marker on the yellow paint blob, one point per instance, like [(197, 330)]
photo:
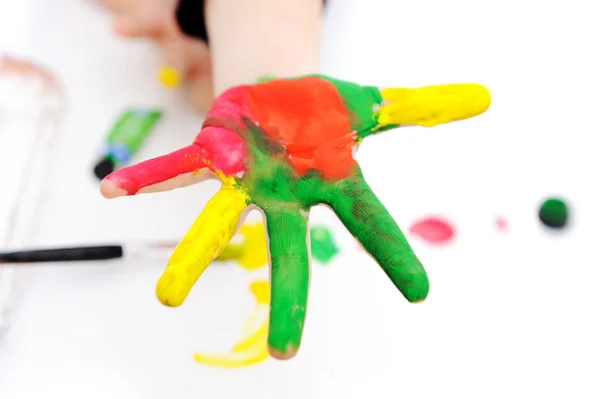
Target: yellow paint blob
[(432, 105), (204, 241), (251, 254), (169, 77), (252, 347)]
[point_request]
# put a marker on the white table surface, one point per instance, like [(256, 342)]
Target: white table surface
[(510, 314)]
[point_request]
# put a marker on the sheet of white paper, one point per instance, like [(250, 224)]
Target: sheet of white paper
[(510, 314)]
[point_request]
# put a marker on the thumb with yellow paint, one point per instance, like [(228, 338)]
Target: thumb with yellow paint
[(429, 106)]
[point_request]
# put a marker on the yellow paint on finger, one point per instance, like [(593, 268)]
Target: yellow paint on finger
[(204, 241), (252, 348), (432, 105)]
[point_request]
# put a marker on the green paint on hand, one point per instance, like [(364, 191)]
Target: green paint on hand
[(266, 78), (554, 213), (286, 228), (322, 246)]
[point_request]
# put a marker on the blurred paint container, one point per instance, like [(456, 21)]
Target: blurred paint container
[(30, 110), (125, 138)]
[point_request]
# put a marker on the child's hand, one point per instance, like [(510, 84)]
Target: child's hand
[(284, 146), (155, 19)]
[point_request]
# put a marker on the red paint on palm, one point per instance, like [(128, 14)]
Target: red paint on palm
[(306, 119)]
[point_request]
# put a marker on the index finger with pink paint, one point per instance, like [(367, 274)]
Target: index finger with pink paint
[(217, 150)]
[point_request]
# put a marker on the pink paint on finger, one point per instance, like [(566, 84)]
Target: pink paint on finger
[(225, 148), (133, 179), (433, 230)]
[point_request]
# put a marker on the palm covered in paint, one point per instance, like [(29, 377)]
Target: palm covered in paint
[(284, 146)]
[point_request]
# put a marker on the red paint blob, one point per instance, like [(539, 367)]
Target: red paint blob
[(501, 224), (433, 230)]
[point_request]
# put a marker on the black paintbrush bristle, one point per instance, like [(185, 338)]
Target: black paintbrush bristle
[(74, 254)]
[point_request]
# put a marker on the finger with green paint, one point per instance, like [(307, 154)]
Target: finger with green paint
[(284, 146)]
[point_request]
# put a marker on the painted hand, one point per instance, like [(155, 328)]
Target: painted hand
[(284, 146)]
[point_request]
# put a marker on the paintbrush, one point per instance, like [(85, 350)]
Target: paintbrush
[(82, 253)]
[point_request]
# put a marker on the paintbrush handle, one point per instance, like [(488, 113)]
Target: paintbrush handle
[(102, 252)]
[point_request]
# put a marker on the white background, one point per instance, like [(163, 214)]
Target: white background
[(510, 314)]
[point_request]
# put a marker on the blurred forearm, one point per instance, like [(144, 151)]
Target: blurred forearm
[(250, 39), (122, 6)]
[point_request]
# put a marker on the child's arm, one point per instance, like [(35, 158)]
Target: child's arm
[(122, 6), (250, 39), (247, 39)]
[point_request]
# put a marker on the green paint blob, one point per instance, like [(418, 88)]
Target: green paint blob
[(322, 245), (554, 213)]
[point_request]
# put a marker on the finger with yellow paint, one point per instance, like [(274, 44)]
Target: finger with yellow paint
[(432, 105), (204, 241)]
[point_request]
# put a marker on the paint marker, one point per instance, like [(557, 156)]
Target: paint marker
[(125, 138), (83, 253)]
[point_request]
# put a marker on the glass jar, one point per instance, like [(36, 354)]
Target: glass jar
[(31, 101)]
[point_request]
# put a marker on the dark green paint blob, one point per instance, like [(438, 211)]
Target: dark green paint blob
[(322, 246), (554, 213)]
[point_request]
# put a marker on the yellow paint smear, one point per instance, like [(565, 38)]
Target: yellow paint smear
[(432, 105), (169, 77), (251, 254), (204, 241), (252, 347)]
